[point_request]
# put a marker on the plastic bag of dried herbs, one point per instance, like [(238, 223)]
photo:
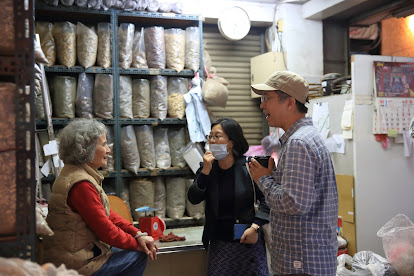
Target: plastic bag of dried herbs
[(162, 148), (87, 45), (155, 47), (125, 96), (104, 55), (176, 87), (175, 187), (176, 140), (63, 96), (139, 59), (140, 98), (175, 48), (129, 149), (145, 141), (159, 97), (64, 34), (103, 94), (141, 193), (83, 104), (125, 42), (192, 48)]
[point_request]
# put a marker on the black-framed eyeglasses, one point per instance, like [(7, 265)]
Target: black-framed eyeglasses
[(215, 138)]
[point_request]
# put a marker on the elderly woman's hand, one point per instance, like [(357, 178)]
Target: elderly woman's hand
[(146, 244)]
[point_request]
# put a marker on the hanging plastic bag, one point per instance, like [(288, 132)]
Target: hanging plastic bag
[(215, 90), (398, 243)]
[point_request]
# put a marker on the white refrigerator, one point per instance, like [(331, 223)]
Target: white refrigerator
[(383, 178)]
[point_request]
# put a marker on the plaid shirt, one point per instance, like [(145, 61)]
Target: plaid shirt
[(303, 199)]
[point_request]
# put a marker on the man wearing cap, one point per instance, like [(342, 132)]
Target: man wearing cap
[(301, 191)]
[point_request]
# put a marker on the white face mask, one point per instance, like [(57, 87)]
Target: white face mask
[(219, 150)]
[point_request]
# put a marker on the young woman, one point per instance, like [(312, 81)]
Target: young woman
[(225, 184)]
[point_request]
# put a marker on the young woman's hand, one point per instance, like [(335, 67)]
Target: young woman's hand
[(208, 159), (249, 236)]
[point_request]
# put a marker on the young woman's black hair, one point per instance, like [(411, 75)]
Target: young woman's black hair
[(235, 134)]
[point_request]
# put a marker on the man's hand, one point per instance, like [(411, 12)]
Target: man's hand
[(257, 170), (146, 244)]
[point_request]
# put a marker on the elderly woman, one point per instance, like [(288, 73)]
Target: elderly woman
[(85, 227)]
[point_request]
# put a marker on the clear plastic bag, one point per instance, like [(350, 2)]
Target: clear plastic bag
[(141, 5), (175, 48), (192, 48), (125, 42), (125, 97), (64, 34), (67, 2), (87, 45), (398, 242), (103, 94), (110, 164), (162, 148), (129, 149), (159, 97), (176, 88), (47, 42), (64, 96), (155, 47), (104, 55), (196, 211), (145, 141), (141, 193), (175, 187), (153, 5), (82, 3), (176, 140), (94, 4), (139, 59), (160, 197), (141, 98), (367, 263), (83, 104)]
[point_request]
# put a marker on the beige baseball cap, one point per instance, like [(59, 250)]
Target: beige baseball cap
[(291, 83)]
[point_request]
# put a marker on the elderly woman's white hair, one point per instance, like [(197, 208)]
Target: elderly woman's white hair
[(78, 140)]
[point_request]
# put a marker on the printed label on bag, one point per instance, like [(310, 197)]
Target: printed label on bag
[(297, 264)]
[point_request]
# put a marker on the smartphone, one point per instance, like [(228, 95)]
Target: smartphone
[(239, 230)]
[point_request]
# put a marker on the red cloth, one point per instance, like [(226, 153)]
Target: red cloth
[(84, 199)]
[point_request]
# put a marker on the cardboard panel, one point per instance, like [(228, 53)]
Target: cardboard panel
[(345, 185), (262, 66)]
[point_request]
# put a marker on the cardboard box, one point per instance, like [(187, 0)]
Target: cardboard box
[(262, 66)]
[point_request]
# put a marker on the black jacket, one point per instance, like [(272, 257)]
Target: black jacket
[(243, 204)]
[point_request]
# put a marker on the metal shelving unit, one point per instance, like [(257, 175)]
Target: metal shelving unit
[(115, 17), (17, 66)]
